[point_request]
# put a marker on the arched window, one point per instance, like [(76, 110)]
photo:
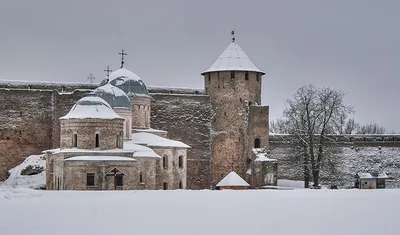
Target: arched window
[(165, 185), (257, 143), (75, 140), (97, 145), (165, 162), (180, 161), (246, 75), (180, 185), (117, 142)]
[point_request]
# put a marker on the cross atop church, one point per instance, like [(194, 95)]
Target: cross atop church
[(122, 57), (233, 35), (91, 78), (108, 71)]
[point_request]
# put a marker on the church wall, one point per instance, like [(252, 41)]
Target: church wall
[(187, 119), (110, 133), (229, 98), (127, 114), (171, 173)]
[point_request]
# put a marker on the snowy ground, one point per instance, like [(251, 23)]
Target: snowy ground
[(327, 212)]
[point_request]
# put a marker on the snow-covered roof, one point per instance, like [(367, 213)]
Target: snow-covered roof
[(261, 156), (129, 147), (91, 106), (114, 96), (156, 141), (233, 59), (366, 175), (232, 179), (101, 158), (129, 82)]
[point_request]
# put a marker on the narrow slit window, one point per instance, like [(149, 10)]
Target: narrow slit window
[(165, 162), (232, 74), (180, 185), (75, 140), (141, 178), (246, 75), (180, 161), (97, 141)]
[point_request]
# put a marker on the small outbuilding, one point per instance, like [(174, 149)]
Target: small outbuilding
[(233, 181), (371, 180)]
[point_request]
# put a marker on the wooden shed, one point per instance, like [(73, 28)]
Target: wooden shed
[(233, 181), (371, 180)]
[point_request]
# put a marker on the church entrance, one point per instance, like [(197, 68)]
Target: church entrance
[(118, 178)]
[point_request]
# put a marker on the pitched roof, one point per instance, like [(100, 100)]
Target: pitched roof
[(156, 141), (232, 179), (233, 59)]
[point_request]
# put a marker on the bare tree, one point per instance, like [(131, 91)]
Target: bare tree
[(351, 126), (278, 126), (311, 115), (371, 128)]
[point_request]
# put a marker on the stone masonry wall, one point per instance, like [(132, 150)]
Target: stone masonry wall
[(230, 97), (187, 118)]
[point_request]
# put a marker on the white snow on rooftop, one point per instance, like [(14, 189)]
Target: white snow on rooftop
[(232, 179), (366, 175), (91, 107), (157, 141), (233, 59), (139, 150), (124, 74), (101, 158)]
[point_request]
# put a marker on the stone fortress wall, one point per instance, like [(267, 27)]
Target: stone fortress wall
[(29, 124)]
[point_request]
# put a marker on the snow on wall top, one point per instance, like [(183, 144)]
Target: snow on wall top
[(101, 158), (261, 156), (233, 59), (155, 140), (91, 107), (114, 96), (232, 179)]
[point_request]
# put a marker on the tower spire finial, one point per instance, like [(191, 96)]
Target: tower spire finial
[(122, 57), (108, 71), (91, 77), (233, 35)]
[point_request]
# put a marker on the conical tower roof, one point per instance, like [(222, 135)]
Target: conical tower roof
[(233, 59)]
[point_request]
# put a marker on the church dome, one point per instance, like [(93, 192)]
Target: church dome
[(91, 106), (129, 82), (114, 96)]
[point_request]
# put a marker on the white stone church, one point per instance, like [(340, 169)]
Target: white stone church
[(106, 142)]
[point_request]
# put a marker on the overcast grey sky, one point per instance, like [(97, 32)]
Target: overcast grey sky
[(352, 45)]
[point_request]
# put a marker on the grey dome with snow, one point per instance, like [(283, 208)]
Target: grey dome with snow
[(114, 96), (129, 82), (91, 106)]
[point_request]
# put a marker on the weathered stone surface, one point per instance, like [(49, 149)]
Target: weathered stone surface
[(187, 118)]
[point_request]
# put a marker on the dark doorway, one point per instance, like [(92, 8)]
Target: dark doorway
[(257, 143)]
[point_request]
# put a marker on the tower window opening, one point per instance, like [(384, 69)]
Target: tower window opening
[(232, 74), (117, 141), (75, 140), (257, 143), (180, 162), (258, 77), (246, 75), (165, 162), (250, 103), (97, 141), (209, 77)]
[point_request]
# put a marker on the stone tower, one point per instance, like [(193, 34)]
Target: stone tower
[(239, 123)]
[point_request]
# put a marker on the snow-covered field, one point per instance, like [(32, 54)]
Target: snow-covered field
[(308, 212)]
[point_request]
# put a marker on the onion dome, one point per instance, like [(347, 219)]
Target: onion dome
[(233, 59), (129, 82), (114, 96), (91, 106)]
